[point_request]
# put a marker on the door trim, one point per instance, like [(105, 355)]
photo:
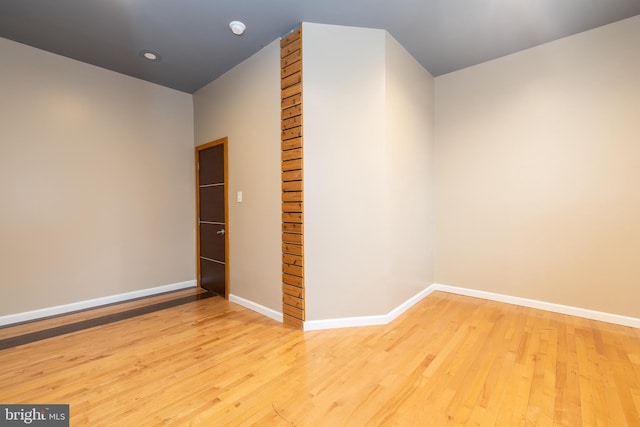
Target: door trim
[(224, 141)]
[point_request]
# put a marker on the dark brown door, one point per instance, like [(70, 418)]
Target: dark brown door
[(212, 217)]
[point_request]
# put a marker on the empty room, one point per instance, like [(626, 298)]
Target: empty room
[(320, 213)]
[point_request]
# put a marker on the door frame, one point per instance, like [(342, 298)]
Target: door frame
[(224, 141)]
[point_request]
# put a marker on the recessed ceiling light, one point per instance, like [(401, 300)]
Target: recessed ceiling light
[(237, 27), (150, 55)]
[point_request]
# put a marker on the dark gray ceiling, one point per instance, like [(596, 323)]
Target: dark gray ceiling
[(196, 45)]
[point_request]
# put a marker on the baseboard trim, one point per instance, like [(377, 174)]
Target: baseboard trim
[(258, 308), (350, 322), (541, 305), (92, 303)]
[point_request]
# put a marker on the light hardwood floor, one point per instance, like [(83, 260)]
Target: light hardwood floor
[(450, 360)]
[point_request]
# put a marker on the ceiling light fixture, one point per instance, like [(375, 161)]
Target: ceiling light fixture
[(237, 27), (150, 55)]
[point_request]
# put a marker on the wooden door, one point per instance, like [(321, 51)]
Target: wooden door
[(211, 180)]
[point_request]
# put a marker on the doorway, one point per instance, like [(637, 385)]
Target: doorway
[(212, 217)]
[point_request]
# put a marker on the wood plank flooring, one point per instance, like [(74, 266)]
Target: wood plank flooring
[(35, 330), (450, 360)]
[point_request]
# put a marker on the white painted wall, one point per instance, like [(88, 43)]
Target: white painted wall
[(346, 192), (537, 172), (97, 194), (409, 159), (244, 105), (360, 115)]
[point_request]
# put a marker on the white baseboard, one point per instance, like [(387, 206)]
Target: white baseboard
[(345, 322), (348, 322), (265, 311), (541, 305), (92, 303)]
